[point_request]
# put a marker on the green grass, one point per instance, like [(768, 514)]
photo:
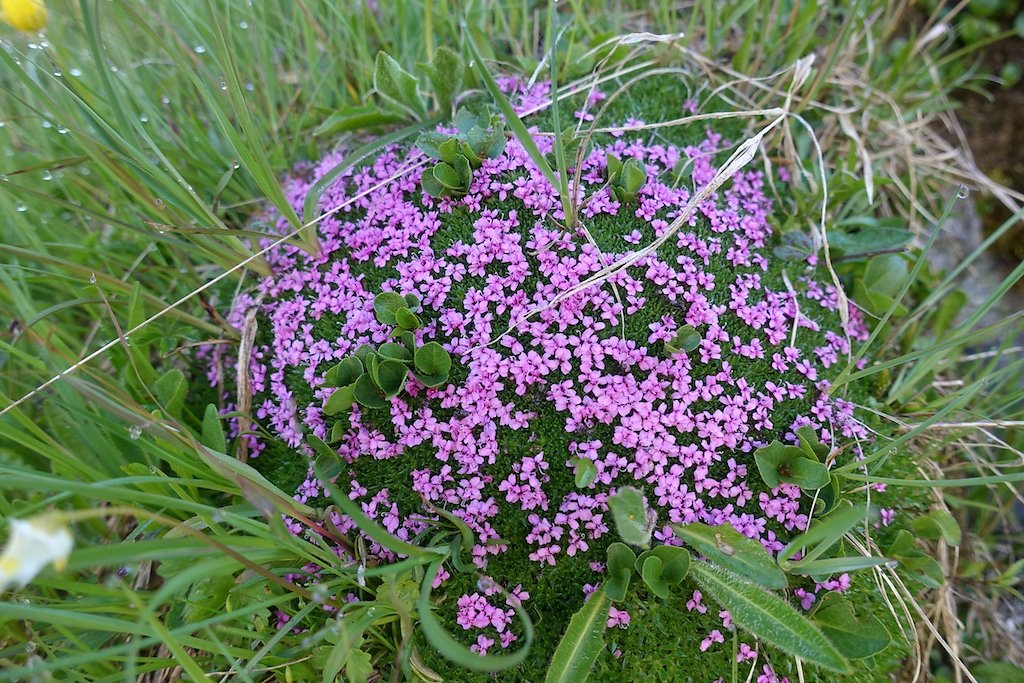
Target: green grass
[(123, 157)]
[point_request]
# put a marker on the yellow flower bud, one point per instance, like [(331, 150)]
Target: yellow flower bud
[(25, 15)]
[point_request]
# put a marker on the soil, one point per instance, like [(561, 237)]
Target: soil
[(995, 133)]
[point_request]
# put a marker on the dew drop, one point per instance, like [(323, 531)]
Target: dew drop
[(20, 208), (199, 49), (135, 431), (47, 176), (243, 25), (75, 71), (235, 165), (47, 124), (2, 124), (963, 192), (144, 118), (62, 130), (92, 278), (58, 73)]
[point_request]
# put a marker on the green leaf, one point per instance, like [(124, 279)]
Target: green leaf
[(768, 617), (885, 274), (430, 184), (634, 175), (795, 246), (385, 305), (781, 463), (433, 363), (687, 339), (651, 568), (449, 150), (619, 572), (359, 667), (938, 523), (412, 302), (340, 401), (396, 85), (446, 174), (915, 562), (367, 394), (867, 240), (356, 118), (675, 562), (614, 167), (445, 73), (395, 351), (998, 672), (809, 441), (344, 373), (429, 142), (828, 497), (633, 519), (582, 643), (213, 431), (586, 472), (857, 637), (170, 390), (407, 320), (391, 375), (726, 546)]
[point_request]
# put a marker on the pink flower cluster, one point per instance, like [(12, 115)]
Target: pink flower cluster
[(682, 426)]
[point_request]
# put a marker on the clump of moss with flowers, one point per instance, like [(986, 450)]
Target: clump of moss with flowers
[(627, 414)]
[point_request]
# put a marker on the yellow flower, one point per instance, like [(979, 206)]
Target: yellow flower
[(34, 543), (25, 15)]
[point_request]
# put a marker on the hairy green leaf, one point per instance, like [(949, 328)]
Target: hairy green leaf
[(768, 617), (582, 643), (397, 85), (726, 546), (632, 516)]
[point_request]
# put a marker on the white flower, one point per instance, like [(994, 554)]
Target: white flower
[(34, 543)]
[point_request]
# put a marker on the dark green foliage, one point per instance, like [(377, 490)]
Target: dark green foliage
[(480, 136)]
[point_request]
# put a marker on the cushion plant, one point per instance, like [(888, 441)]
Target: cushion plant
[(655, 439)]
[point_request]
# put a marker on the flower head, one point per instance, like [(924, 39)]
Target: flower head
[(25, 15), (34, 543)]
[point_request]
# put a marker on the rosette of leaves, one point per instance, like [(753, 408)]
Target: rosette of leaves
[(374, 375), (479, 136), (625, 178), (800, 465)]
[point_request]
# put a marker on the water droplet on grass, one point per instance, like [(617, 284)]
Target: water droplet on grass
[(963, 192), (20, 208), (135, 431), (199, 49)]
